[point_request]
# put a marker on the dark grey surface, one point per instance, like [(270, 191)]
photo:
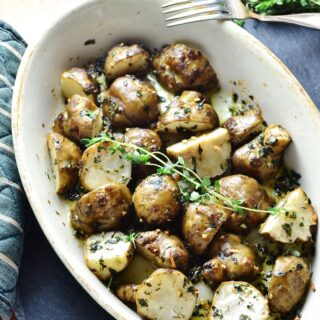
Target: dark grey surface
[(46, 290)]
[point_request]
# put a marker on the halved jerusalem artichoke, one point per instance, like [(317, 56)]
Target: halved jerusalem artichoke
[(163, 249), (77, 81), (251, 194), (64, 156), (180, 67), (200, 224), (122, 60), (294, 220), (156, 200), (207, 154), (82, 119), (189, 112), (231, 260), (238, 300), (288, 283), (166, 295), (107, 251), (214, 271), (102, 209), (131, 103), (245, 126), (262, 157), (99, 165), (144, 138)]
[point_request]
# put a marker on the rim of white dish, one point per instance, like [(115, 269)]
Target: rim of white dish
[(18, 139)]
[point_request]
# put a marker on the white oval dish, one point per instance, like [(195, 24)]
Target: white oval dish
[(234, 54)]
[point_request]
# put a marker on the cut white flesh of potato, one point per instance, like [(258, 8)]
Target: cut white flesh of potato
[(100, 166), (207, 154), (204, 291), (107, 251), (138, 270), (294, 223), (166, 295), (234, 299), (64, 157), (76, 81)]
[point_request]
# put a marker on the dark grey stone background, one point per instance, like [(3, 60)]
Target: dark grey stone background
[(46, 290)]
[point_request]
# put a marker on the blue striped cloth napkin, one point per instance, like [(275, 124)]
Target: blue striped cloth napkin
[(12, 201)]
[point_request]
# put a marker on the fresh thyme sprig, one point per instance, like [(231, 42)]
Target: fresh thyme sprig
[(130, 237), (201, 188)]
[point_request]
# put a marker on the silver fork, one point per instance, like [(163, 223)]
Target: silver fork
[(201, 10)]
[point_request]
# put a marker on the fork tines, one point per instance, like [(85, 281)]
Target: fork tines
[(188, 4), (218, 7), (173, 3), (197, 10)]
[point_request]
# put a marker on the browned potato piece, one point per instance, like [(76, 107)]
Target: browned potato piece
[(144, 138), (77, 81), (147, 139), (243, 127), (82, 119), (200, 224), (156, 200), (180, 67), (215, 271), (163, 249), (127, 292), (64, 156), (262, 157), (288, 283), (248, 190), (131, 102), (102, 209), (189, 112), (122, 60), (231, 260)]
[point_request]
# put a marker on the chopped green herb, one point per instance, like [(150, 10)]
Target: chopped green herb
[(143, 302), (275, 7), (194, 273), (139, 94), (131, 237), (287, 228), (88, 113), (287, 181), (239, 22), (217, 312)]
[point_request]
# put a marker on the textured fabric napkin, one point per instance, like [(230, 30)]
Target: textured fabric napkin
[(12, 201)]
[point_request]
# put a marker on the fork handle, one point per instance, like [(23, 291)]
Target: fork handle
[(311, 20)]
